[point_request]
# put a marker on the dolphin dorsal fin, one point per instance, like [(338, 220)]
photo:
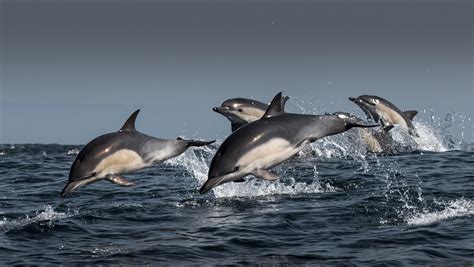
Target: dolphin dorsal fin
[(129, 125), (277, 106), (410, 114)]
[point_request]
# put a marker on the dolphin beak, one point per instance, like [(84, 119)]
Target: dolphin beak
[(69, 188), (353, 99), (71, 185), (209, 184), (220, 109)]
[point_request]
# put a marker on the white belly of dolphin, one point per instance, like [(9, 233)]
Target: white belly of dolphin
[(268, 154), (122, 161), (162, 154), (391, 116)]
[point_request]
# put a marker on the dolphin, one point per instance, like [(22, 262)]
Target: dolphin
[(240, 111), (379, 109), (109, 156), (260, 145), (377, 140)]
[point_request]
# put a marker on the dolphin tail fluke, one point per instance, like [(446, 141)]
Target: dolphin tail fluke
[(190, 143)]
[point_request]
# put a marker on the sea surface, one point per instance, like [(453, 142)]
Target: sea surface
[(334, 204)]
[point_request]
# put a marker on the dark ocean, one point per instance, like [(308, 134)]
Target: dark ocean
[(335, 204)]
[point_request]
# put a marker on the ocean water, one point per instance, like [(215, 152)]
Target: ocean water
[(334, 204)]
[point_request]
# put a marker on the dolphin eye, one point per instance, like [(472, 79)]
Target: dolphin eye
[(240, 110)]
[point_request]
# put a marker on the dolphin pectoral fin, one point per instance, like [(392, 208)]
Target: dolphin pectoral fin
[(118, 180), (410, 114), (266, 175)]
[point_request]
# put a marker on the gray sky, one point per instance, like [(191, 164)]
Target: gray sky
[(72, 70)]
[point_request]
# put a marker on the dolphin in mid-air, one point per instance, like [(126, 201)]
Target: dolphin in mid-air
[(379, 109), (109, 156), (277, 136), (240, 111)]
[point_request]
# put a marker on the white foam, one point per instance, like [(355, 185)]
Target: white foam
[(254, 187), (73, 151), (429, 140), (48, 215), (197, 165), (453, 209), (109, 250)]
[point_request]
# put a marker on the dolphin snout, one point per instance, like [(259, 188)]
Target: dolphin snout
[(220, 109), (209, 184), (353, 99)]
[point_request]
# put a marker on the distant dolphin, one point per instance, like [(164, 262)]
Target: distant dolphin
[(241, 111), (379, 109), (265, 143), (110, 155), (377, 140)]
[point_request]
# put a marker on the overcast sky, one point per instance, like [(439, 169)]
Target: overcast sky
[(72, 70)]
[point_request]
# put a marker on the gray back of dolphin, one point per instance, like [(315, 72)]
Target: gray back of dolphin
[(125, 151), (267, 142), (380, 109), (240, 111)]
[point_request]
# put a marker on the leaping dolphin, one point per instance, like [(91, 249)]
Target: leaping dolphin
[(128, 150), (260, 145), (379, 109), (241, 111)]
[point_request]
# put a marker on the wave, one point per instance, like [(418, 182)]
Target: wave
[(453, 209)]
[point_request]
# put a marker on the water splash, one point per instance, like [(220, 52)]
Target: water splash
[(257, 187), (73, 151), (196, 163), (435, 135), (452, 209), (45, 218)]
